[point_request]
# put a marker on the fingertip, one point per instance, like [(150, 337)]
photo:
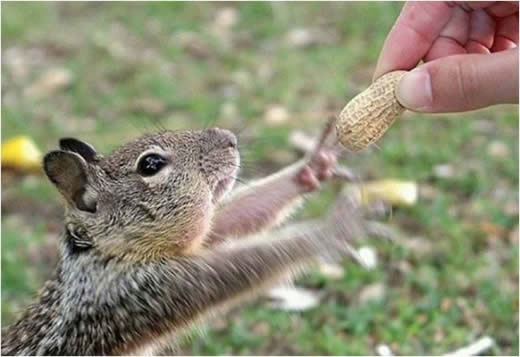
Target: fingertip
[(476, 47), (482, 28), (503, 8), (463, 82), (507, 28), (414, 90), (502, 43)]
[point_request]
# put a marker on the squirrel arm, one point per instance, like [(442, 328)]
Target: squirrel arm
[(257, 206), (168, 296)]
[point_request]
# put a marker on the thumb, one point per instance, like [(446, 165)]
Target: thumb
[(461, 82)]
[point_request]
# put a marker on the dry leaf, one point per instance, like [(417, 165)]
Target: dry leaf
[(498, 149), (291, 298), (492, 229), (276, 115), (368, 256), (302, 141), (418, 245), (444, 171), (194, 45), (300, 37), (370, 292), (513, 236), (475, 348), (384, 350), (49, 83), (331, 271), (226, 18)]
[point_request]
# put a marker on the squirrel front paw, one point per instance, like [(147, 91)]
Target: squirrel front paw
[(316, 170), (320, 163)]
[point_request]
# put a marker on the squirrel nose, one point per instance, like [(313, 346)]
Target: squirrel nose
[(225, 137)]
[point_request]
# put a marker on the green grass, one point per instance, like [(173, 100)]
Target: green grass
[(462, 287)]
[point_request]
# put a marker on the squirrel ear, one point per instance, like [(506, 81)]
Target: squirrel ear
[(82, 148), (69, 172)]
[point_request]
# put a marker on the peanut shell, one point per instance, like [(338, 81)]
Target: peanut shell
[(369, 115)]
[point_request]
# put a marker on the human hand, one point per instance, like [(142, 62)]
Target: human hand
[(469, 49)]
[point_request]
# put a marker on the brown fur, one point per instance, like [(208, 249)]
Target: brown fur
[(138, 262)]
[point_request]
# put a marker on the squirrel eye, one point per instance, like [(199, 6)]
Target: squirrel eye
[(150, 164)]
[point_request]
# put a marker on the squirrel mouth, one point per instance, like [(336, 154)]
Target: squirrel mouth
[(227, 178), (223, 186)]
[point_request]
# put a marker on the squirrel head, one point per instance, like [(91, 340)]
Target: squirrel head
[(152, 197)]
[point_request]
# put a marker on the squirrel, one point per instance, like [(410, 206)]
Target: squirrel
[(153, 242)]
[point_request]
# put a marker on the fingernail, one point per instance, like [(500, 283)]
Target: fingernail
[(414, 90)]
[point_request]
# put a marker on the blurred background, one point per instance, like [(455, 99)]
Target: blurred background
[(106, 72)]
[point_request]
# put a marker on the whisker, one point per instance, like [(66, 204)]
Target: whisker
[(250, 171), (210, 122), (134, 121), (329, 128), (240, 130)]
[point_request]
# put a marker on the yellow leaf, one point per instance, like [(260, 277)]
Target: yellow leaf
[(395, 192), (21, 153)]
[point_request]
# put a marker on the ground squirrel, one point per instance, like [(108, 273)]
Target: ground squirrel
[(143, 255)]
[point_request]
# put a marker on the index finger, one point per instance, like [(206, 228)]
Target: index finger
[(413, 34)]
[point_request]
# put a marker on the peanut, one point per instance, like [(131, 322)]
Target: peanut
[(369, 115)]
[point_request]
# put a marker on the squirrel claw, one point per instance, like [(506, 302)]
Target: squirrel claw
[(318, 169), (307, 179), (320, 163)]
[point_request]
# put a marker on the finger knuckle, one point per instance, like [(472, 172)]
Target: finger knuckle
[(467, 83)]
